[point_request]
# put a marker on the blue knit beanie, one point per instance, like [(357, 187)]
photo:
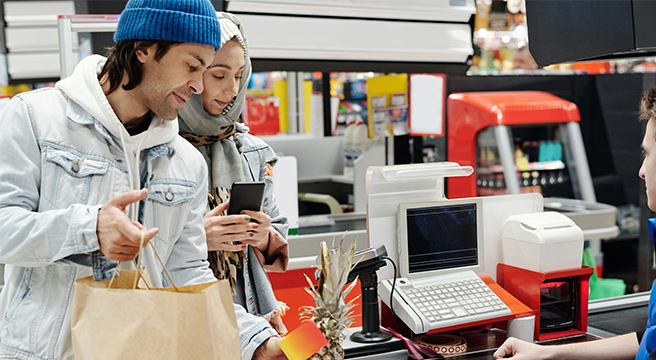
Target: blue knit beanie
[(192, 21)]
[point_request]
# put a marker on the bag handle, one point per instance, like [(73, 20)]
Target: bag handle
[(138, 266)]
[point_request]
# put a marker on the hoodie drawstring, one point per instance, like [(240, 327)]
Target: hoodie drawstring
[(133, 209)]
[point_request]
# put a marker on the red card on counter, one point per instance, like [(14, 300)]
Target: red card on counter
[(303, 342)]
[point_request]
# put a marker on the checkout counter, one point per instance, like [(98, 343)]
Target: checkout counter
[(607, 317)]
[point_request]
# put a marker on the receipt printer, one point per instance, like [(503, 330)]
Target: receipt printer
[(542, 242)]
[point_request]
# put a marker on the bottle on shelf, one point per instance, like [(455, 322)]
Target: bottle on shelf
[(499, 185), (349, 144), (483, 190), (535, 181), (355, 142), (361, 135), (526, 180)]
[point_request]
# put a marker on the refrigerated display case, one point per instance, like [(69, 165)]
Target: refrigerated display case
[(517, 141)]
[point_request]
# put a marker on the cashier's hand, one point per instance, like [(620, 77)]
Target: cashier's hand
[(520, 350), (118, 236), (270, 349), (251, 228)]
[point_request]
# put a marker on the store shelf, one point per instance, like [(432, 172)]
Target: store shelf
[(34, 65), (31, 38), (35, 13), (358, 35), (322, 44), (597, 220), (427, 10), (534, 166), (289, 37)]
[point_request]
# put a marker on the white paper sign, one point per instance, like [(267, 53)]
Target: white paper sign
[(427, 104)]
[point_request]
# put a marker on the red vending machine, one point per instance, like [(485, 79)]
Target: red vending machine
[(517, 141)]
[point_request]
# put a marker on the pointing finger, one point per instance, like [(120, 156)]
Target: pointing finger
[(126, 198)]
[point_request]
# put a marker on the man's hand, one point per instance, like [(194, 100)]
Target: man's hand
[(118, 236), (270, 349)]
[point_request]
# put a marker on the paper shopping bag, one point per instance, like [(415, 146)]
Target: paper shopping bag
[(194, 322)]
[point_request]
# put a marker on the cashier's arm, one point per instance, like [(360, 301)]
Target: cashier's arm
[(615, 348)]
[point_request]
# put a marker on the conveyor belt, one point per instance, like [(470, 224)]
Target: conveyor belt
[(618, 315), (619, 322)]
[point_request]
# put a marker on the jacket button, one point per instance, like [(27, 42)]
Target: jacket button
[(169, 196), (75, 167)]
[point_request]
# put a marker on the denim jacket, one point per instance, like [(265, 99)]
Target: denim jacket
[(256, 154), (58, 164)]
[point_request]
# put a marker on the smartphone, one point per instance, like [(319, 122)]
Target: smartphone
[(246, 196)]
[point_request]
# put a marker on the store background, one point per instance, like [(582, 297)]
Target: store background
[(607, 94)]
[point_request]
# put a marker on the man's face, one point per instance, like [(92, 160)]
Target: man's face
[(648, 169), (168, 83)]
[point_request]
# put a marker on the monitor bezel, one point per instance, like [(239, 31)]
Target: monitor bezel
[(404, 266)]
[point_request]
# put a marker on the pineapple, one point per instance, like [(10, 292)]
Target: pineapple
[(331, 313)]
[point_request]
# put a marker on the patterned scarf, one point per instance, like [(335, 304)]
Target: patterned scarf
[(224, 264), (224, 162)]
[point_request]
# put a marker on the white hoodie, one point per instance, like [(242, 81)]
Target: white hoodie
[(91, 97)]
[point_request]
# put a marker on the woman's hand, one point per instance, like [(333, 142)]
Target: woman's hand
[(251, 227)]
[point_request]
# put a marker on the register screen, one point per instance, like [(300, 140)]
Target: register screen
[(442, 237)]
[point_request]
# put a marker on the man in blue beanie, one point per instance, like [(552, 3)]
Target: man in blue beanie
[(627, 346), (90, 166)]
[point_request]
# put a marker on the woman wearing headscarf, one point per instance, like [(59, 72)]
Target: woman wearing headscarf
[(240, 246)]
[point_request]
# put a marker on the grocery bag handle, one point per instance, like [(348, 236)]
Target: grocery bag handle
[(138, 266)]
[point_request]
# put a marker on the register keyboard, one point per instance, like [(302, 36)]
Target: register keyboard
[(440, 304)]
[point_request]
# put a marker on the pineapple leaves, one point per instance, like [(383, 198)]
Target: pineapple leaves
[(331, 313)]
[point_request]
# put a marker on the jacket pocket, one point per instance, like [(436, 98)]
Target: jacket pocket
[(76, 165), (70, 177), (170, 202), (34, 319)]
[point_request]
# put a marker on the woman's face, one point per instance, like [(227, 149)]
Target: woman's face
[(221, 80)]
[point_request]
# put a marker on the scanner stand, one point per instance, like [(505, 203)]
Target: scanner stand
[(366, 270)]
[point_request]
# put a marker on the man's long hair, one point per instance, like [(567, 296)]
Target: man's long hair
[(122, 58)]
